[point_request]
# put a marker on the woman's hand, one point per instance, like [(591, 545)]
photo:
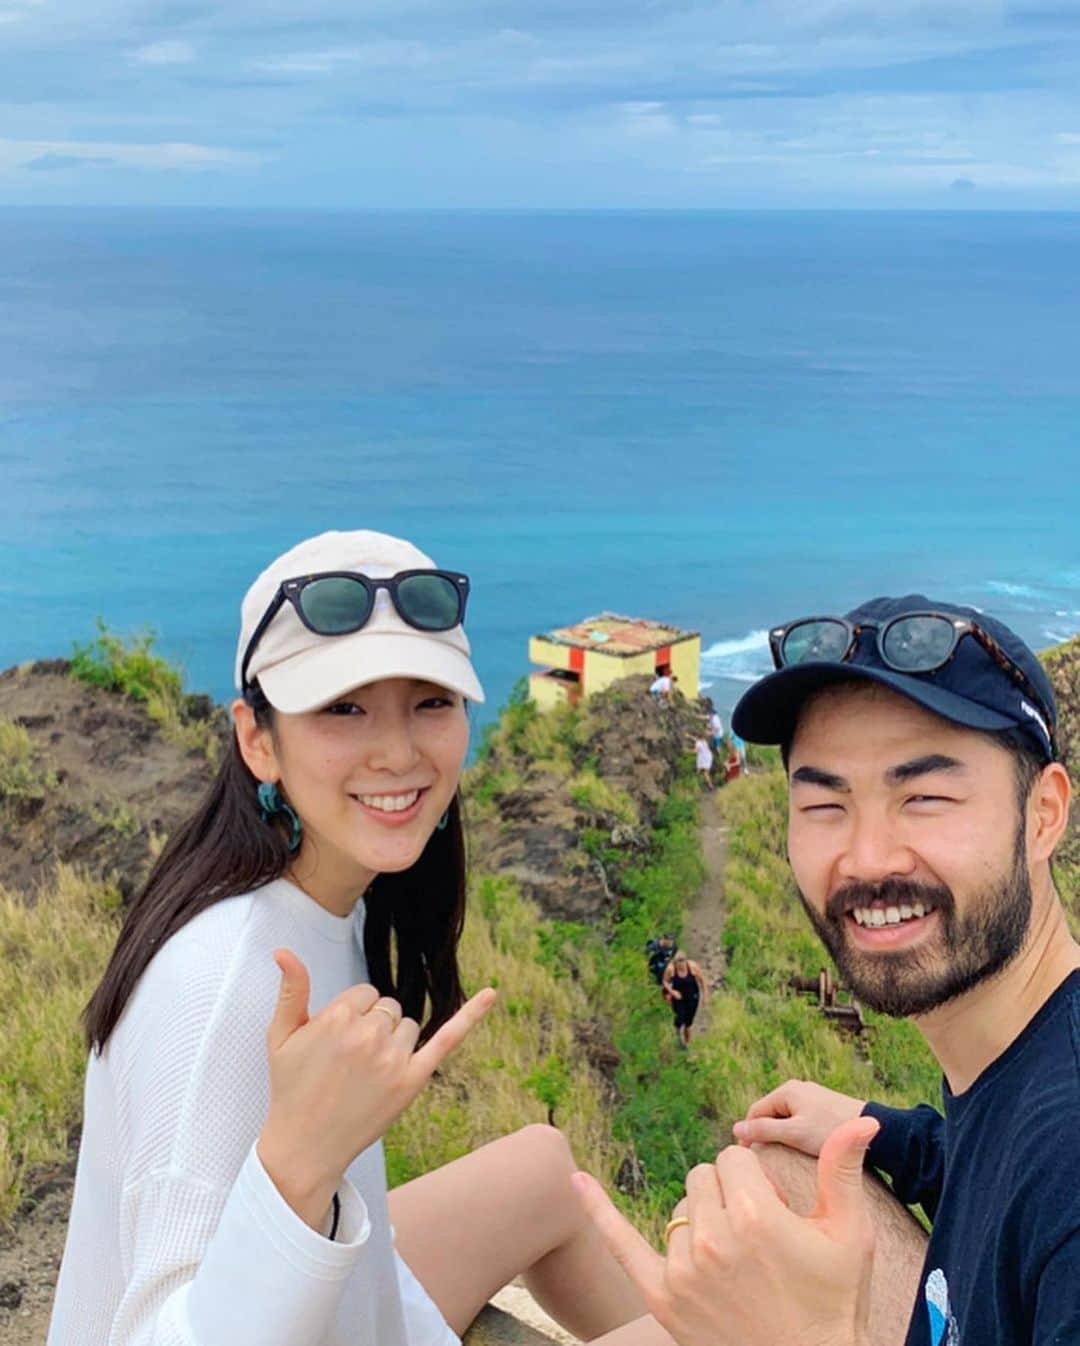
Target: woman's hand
[(746, 1271), (339, 1079), (799, 1114)]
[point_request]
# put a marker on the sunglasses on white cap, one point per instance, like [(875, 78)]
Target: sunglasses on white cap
[(338, 602)]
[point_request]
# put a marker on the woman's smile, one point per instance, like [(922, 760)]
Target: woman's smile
[(392, 809)]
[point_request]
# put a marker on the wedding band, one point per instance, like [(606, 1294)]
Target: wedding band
[(679, 1222), (382, 1009)]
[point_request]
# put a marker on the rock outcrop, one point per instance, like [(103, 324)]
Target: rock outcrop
[(563, 843), (106, 786)]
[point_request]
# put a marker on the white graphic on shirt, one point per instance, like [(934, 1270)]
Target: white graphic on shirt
[(943, 1328)]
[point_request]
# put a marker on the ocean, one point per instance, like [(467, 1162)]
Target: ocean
[(723, 420)]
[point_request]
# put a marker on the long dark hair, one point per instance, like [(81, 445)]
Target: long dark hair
[(413, 919)]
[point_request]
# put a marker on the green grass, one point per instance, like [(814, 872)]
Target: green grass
[(51, 957), (22, 774), (660, 1116), (602, 800), (133, 669), (522, 1061)]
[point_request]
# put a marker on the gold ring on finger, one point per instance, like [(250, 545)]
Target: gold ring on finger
[(385, 1009), (679, 1222)]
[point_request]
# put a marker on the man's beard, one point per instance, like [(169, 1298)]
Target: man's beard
[(968, 951)]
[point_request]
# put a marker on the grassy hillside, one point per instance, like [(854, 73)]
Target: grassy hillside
[(579, 1030)]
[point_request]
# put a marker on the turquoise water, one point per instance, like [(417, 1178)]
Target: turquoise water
[(723, 420)]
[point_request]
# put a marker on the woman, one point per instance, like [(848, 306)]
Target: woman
[(684, 985), (703, 760), (231, 1184)]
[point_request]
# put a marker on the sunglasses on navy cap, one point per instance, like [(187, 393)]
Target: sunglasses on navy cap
[(911, 642)]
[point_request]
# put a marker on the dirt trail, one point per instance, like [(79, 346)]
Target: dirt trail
[(30, 1255), (705, 919)]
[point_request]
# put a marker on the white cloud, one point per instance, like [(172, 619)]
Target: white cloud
[(167, 155), (165, 53), (384, 55), (646, 119)]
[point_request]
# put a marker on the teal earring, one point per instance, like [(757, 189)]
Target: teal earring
[(440, 826), (271, 803)]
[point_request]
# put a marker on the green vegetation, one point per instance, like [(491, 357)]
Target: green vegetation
[(22, 775), (662, 1111), (51, 957), (564, 987), (1063, 665), (660, 1114), (523, 1060), (133, 669), (593, 794)]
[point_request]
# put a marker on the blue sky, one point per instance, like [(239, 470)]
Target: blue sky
[(541, 103)]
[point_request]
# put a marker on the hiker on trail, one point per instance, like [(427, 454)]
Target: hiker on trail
[(739, 745), (703, 757), (927, 800), (660, 952), (716, 731), (684, 984), (660, 688), (284, 987)]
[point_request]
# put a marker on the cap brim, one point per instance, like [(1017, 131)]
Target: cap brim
[(319, 676), (769, 711)]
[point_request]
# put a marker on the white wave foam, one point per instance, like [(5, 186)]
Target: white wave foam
[(740, 658), (1014, 590)]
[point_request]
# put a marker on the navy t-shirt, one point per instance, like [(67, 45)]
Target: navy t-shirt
[(999, 1175)]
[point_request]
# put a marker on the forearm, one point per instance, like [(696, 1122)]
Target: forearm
[(910, 1150)]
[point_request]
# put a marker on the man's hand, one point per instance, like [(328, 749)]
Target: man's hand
[(799, 1114), (746, 1271)]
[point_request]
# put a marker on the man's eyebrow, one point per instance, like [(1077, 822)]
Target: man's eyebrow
[(812, 775), (922, 766)]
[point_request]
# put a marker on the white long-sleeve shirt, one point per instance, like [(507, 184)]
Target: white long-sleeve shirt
[(177, 1236)]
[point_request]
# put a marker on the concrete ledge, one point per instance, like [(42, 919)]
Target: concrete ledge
[(496, 1328)]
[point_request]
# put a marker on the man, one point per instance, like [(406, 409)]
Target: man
[(716, 730), (660, 687), (925, 805), (660, 952)]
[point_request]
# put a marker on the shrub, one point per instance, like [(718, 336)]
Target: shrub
[(21, 774), (596, 796), (133, 670)]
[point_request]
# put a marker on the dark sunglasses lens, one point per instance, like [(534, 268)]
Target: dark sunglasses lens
[(335, 605), (917, 644), (812, 641), (431, 602)]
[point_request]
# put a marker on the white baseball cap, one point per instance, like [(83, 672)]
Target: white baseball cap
[(299, 670)]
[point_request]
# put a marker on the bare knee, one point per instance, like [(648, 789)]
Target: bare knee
[(544, 1148)]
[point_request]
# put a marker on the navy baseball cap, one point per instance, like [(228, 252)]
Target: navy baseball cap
[(971, 688)]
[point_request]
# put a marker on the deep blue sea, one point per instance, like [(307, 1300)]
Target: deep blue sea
[(723, 420)]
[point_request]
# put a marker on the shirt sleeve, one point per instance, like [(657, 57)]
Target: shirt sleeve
[(205, 1267), (910, 1150), (1057, 1302)]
